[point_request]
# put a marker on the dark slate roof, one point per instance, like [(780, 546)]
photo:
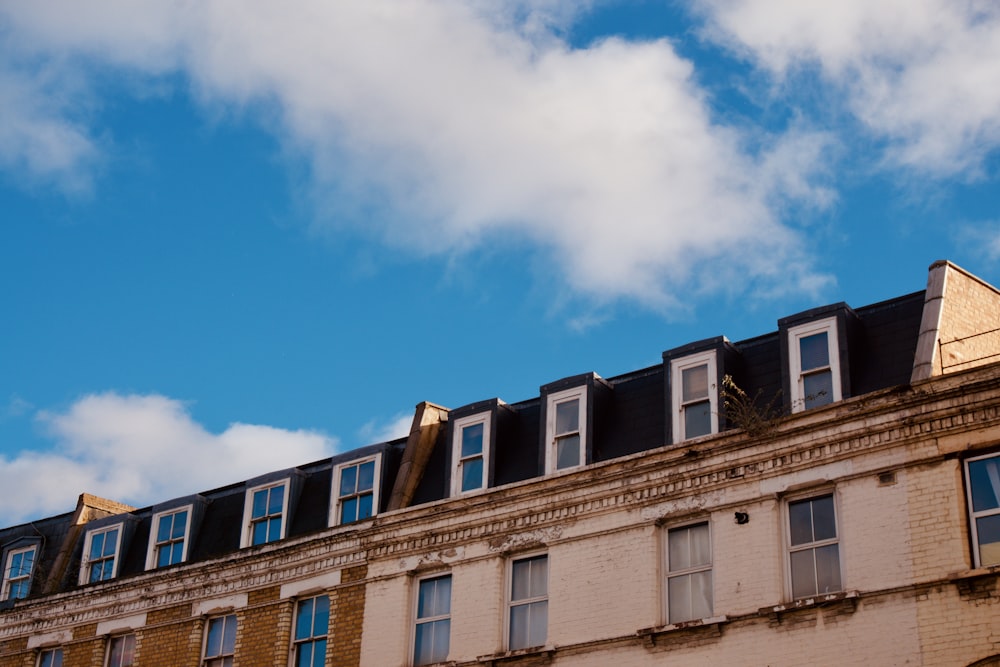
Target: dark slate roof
[(630, 417)]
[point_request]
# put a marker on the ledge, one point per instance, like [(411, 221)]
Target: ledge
[(711, 625), (847, 599), (978, 583), (535, 655)]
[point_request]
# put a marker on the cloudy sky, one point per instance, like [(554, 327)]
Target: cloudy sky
[(241, 236)]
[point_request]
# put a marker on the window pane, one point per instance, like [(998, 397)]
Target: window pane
[(213, 645), (259, 503), (519, 580), (111, 542), (163, 557), (274, 529), (472, 474), (528, 625), (229, 634), (319, 653), (567, 452), (434, 597), (431, 642), (304, 619), (304, 655), (984, 482), (694, 383), (803, 573), (276, 500), (364, 506), (800, 522), (697, 419), (176, 552), (827, 569), (96, 546), (179, 523), (824, 523), (348, 480), (988, 531), (472, 440), (679, 598), (259, 532), (814, 351), (349, 510), (321, 614), (817, 389), (366, 476), (568, 416), (688, 547), (164, 529)]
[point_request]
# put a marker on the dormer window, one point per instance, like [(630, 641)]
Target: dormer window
[(100, 554), (814, 364), (265, 510), (169, 543), (694, 396), (355, 490), (470, 453), (18, 567), (565, 433)]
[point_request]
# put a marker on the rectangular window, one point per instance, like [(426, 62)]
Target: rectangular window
[(694, 396), (529, 602), (121, 651), (470, 453), (312, 624), (983, 495), (50, 657), (814, 364), (689, 573), (220, 641), (267, 513), (17, 573), (101, 554), (433, 621), (565, 433), (356, 490), (169, 543), (813, 551)]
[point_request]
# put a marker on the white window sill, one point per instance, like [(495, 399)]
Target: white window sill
[(713, 624), (849, 597), (545, 654)]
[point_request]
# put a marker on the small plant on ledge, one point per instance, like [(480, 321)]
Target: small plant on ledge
[(751, 415)]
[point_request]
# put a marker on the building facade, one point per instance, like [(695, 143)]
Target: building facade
[(825, 494)]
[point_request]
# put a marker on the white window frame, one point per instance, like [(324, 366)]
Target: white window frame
[(153, 550), (297, 643), (111, 644), (551, 437), (335, 499), (669, 573), (53, 652), (246, 539), (8, 580), (811, 546), (417, 620), (511, 603), (973, 515), (86, 562), (206, 659), (486, 419), (796, 376), (677, 368)]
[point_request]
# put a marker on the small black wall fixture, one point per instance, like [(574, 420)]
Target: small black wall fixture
[(742, 518)]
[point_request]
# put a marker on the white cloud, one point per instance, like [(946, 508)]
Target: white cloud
[(378, 431), (921, 74), (139, 450), (440, 126)]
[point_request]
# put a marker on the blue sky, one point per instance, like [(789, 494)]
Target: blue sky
[(238, 237)]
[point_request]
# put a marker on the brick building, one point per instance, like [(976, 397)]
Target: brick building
[(824, 494)]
